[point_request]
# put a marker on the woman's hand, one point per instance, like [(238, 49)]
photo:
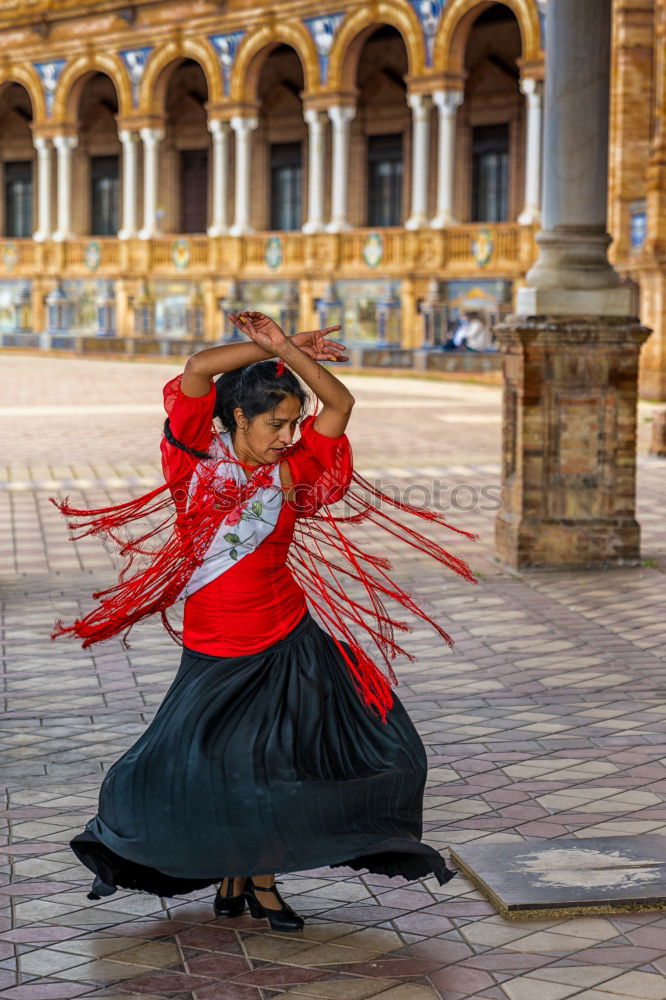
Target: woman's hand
[(261, 329), (315, 344), (267, 334)]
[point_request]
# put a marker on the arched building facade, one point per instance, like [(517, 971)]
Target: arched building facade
[(165, 162)]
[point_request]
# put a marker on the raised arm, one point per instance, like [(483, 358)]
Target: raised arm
[(202, 366), (337, 400)]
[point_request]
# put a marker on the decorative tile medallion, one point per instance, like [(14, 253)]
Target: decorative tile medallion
[(483, 247), (323, 31), (92, 255), (429, 13), (135, 60), (180, 254), (49, 74), (273, 252), (225, 46), (10, 256), (373, 249)]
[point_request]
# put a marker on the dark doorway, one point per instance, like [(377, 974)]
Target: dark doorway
[(385, 169), (104, 195), (286, 185), (490, 173), (193, 190), (18, 198)]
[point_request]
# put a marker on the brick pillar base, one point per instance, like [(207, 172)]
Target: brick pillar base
[(569, 442)]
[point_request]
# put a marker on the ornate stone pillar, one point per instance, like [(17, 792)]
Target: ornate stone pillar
[(316, 124), (420, 105), (151, 138), (220, 133), (341, 116), (573, 242), (447, 102), (243, 127), (44, 149), (532, 89), (571, 354), (129, 143), (64, 144)]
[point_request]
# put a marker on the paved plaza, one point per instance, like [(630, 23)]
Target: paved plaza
[(547, 720)]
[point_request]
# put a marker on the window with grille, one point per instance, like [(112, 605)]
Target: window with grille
[(286, 164), (104, 195), (193, 190), (18, 198), (490, 173), (385, 173)]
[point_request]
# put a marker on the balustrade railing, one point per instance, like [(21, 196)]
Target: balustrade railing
[(502, 249)]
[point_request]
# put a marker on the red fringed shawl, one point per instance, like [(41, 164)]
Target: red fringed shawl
[(323, 557)]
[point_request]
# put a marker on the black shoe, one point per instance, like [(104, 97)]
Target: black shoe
[(100, 889), (228, 905), (285, 919)]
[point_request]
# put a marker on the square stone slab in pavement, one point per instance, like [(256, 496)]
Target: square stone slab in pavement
[(569, 877)]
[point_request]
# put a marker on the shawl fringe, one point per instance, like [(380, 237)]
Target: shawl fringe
[(323, 557)]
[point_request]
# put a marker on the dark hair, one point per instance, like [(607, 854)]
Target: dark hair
[(255, 388)]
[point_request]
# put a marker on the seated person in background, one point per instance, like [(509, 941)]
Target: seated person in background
[(460, 333), (453, 326), (478, 337)]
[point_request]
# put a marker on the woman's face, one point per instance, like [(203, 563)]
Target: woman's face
[(261, 440)]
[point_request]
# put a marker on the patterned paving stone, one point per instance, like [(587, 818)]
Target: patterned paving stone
[(545, 721)]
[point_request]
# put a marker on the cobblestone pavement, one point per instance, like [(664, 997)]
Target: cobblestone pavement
[(547, 720)]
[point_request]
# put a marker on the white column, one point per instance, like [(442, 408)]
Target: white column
[(420, 105), (44, 199), (243, 128), (315, 220), (573, 240), (130, 151), (448, 102), (64, 145), (531, 213), (341, 116), (151, 138), (572, 274), (220, 133)]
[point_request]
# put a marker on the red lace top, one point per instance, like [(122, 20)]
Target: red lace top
[(256, 602)]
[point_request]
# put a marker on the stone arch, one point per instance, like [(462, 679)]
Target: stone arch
[(257, 45), (457, 20), (74, 77), (162, 63), (358, 25), (28, 77)]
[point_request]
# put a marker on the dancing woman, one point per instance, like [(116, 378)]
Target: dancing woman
[(279, 746)]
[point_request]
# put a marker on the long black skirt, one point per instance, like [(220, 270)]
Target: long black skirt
[(262, 764)]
